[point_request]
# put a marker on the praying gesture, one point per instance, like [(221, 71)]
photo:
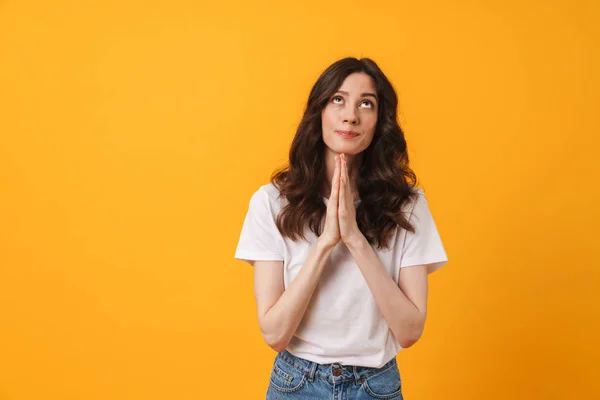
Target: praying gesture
[(340, 220)]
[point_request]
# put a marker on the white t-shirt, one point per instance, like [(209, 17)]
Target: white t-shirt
[(342, 323)]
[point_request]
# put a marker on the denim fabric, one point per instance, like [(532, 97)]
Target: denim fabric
[(296, 378)]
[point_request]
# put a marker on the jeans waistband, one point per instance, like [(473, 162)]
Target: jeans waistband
[(333, 372)]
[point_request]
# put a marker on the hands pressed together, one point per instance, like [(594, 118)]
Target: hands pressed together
[(340, 220)]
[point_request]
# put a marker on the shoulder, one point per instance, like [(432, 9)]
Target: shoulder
[(419, 191), (267, 197), (416, 199), (270, 190)]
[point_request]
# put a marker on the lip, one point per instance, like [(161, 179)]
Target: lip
[(347, 134)]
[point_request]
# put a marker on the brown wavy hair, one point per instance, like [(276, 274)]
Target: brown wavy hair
[(385, 181)]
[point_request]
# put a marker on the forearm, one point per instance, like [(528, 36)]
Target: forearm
[(281, 321), (405, 320)]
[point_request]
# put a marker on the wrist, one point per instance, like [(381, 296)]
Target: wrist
[(324, 245), (356, 242)]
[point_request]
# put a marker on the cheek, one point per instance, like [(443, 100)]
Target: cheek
[(327, 126), (372, 124), (326, 118)]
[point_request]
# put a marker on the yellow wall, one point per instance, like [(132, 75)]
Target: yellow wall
[(132, 135)]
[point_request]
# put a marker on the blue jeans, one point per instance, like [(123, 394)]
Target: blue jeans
[(296, 378)]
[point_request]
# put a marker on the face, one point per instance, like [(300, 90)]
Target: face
[(353, 108)]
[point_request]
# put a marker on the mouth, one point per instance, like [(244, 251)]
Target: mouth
[(347, 134)]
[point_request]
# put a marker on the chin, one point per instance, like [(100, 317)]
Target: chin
[(345, 148), (350, 151)]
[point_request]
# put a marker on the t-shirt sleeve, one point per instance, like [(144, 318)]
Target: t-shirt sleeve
[(424, 246), (260, 239)]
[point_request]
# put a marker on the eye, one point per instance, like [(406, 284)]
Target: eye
[(369, 102)]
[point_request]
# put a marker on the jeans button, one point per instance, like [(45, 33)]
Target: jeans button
[(337, 372)]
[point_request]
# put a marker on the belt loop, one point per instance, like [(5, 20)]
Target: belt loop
[(313, 369), (355, 371)]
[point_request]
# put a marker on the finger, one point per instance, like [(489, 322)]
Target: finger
[(335, 184), (349, 189), (349, 194), (347, 180), (343, 188), (343, 172)]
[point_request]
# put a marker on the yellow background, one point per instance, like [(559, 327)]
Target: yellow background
[(132, 135)]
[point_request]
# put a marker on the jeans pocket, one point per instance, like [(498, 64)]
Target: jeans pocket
[(285, 378), (385, 384)]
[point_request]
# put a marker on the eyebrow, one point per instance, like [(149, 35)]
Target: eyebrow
[(363, 95)]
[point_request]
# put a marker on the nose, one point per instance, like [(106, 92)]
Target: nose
[(349, 115)]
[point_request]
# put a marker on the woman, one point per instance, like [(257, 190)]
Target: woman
[(342, 241)]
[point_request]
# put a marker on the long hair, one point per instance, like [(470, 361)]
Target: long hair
[(385, 181)]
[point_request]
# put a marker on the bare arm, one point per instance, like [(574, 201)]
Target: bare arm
[(281, 310), (404, 306)]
